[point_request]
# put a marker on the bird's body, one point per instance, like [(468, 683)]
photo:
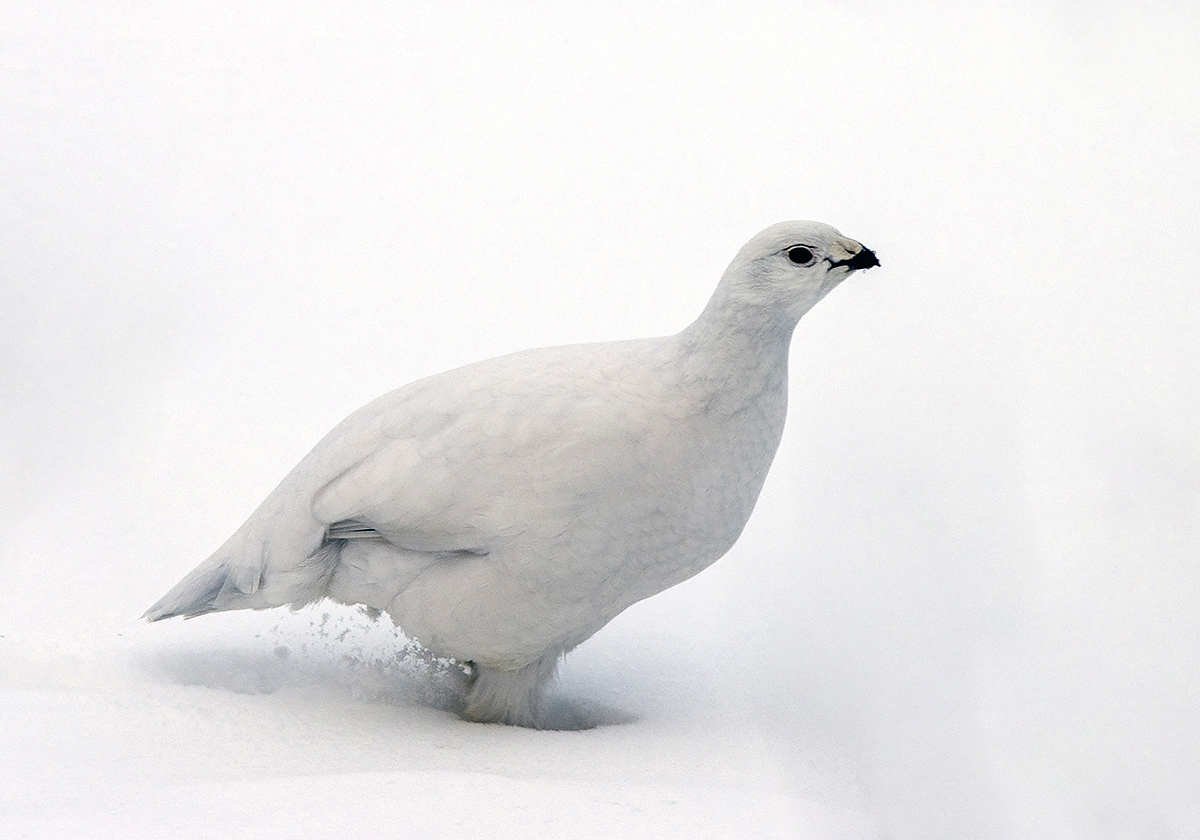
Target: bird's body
[(503, 512)]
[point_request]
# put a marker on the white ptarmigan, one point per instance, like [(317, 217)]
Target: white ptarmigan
[(505, 511)]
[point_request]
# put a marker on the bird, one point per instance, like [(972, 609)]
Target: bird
[(503, 512)]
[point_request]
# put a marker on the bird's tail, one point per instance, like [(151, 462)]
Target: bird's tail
[(255, 572), (217, 584)]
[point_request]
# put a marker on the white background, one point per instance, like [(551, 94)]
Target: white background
[(968, 604)]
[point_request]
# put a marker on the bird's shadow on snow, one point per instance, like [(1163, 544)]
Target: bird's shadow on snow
[(346, 657)]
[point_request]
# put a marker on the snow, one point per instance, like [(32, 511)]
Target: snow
[(968, 602), (318, 723)]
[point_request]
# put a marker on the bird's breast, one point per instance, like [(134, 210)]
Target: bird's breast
[(644, 506)]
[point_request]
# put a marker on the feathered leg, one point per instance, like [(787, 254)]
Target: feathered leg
[(512, 697)]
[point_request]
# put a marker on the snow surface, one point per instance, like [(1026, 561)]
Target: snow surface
[(968, 604)]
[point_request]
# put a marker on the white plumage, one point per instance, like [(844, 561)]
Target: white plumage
[(503, 512)]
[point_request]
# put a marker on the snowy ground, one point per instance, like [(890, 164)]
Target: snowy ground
[(311, 725), (968, 604)]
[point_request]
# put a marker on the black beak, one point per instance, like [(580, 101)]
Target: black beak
[(863, 259)]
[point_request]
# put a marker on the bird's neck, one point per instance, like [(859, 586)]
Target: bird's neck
[(736, 350)]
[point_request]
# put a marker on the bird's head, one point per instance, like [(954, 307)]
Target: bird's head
[(791, 265)]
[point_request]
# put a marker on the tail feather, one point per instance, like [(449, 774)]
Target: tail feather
[(200, 592), (219, 585), (279, 556)]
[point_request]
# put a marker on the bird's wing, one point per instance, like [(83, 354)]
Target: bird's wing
[(469, 457)]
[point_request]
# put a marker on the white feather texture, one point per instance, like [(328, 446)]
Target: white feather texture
[(503, 512)]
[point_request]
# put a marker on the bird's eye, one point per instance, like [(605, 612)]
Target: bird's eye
[(800, 255)]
